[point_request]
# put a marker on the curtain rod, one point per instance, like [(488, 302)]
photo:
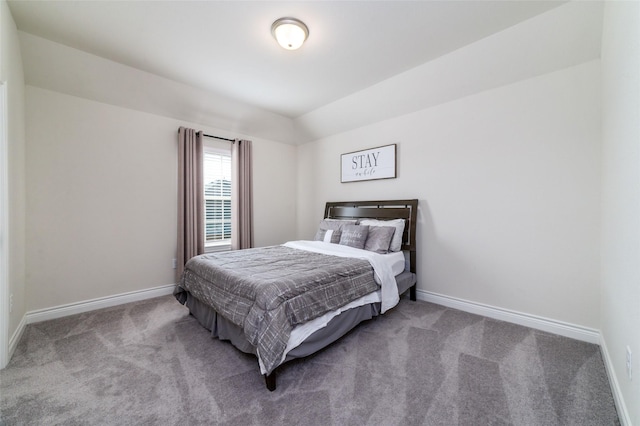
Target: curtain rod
[(218, 137)]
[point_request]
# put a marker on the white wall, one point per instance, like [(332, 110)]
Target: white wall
[(620, 295), (11, 72), (102, 197), (509, 188)]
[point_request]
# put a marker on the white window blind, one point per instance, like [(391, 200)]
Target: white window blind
[(217, 197)]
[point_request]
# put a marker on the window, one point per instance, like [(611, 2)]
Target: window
[(217, 198)]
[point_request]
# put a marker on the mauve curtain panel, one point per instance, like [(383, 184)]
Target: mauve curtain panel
[(242, 196), (190, 197)]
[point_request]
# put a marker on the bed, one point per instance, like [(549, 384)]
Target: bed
[(290, 301)]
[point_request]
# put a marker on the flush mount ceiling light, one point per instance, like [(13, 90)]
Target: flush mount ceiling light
[(290, 32)]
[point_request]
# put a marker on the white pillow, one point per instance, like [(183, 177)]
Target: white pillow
[(396, 241)]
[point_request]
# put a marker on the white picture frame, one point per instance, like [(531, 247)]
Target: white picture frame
[(368, 164)]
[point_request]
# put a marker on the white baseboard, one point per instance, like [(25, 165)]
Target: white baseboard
[(99, 303), (539, 323), (17, 335), (623, 414)]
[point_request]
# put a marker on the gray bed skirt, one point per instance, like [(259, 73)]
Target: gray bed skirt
[(340, 325)]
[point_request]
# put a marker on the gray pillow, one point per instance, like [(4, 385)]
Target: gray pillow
[(396, 241), (333, 224), (334, 236), (354, 235), (379, 239)]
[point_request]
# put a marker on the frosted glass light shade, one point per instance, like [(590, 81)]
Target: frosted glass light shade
[(289, 32)]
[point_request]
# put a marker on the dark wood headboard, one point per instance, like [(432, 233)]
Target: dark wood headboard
[(383, 210)]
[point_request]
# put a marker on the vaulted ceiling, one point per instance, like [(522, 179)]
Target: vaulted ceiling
[(225, 48)]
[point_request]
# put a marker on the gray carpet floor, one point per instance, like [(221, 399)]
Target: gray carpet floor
[(150, 362)]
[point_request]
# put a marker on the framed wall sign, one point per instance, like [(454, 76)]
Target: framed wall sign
[(374, 163)]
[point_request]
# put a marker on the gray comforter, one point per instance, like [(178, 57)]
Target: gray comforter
[(267, 291)]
